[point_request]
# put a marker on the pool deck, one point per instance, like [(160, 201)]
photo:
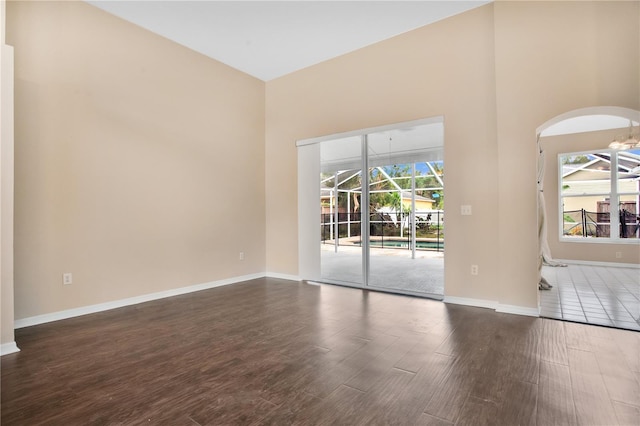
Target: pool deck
[(390, 269)]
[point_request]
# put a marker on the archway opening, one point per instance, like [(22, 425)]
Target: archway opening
[(589, 217)]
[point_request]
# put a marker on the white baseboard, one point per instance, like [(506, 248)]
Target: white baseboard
[(283, 276), (518, 310), (8, 348), (478, 303), (91, 309), (490, 304), (591, 263)]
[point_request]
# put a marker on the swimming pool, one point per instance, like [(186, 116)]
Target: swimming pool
[(397, 243)]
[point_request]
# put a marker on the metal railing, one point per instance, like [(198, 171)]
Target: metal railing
[(583, 223), (386, 230)]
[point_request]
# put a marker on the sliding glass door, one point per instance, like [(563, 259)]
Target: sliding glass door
[(380, 203)]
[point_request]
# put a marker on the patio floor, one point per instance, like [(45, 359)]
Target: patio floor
[(391, 269)]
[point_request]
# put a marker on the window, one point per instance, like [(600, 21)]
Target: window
[(600, 195)]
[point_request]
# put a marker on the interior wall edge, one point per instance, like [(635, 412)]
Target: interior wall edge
[(280, 276), (517, 310), (7, 192), (8, 348), (495, 305), (466, 301)]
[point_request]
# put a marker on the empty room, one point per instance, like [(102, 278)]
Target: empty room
[(310, 212)]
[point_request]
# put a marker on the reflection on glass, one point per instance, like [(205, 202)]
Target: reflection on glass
[(406, 219), (340, 218)]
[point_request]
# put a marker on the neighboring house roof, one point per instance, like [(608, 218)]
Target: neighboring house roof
[(407, 195), (597, 187), (600, 166)]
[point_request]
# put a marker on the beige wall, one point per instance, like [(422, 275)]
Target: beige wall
[(135, 158), (598, 252), (551, 57), (496, 73), (6, 186), (413, 76)]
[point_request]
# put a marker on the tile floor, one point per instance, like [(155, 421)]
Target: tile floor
[(600, 295)]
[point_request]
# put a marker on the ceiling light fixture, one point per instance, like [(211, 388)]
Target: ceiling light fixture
[(622, 142)]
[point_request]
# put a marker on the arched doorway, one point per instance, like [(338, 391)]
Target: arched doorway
[(589, 199)]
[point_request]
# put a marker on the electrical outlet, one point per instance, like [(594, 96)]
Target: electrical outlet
[(465, 210), (67, 278), (618, 255), (241, 255), (474, 269)]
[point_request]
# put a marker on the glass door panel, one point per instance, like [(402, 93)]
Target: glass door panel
[(405, 198), (429, 205), (340, 211)]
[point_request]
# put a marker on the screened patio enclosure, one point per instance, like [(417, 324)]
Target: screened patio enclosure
[(384, 228), (392, 201)]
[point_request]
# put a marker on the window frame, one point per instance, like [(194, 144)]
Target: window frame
[(614, 195)]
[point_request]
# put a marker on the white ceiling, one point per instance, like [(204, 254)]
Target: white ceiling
[(268, 39)]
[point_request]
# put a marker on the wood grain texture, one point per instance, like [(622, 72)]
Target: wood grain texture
[(411, 401), (590, 396), (452, 392), (375, 369), (477, 412), (629, 345), (577, 336), (555, 395), (383, 395), (276, 352), (621, 383), (427, 420), (628, 415), (553, 347)]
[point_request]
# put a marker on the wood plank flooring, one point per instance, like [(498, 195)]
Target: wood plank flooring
[(276, 352)]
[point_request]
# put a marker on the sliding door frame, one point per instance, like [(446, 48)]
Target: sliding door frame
[(365, 216), (309, 264)]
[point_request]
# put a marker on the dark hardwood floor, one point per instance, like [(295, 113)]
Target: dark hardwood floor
[(275, 352)]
